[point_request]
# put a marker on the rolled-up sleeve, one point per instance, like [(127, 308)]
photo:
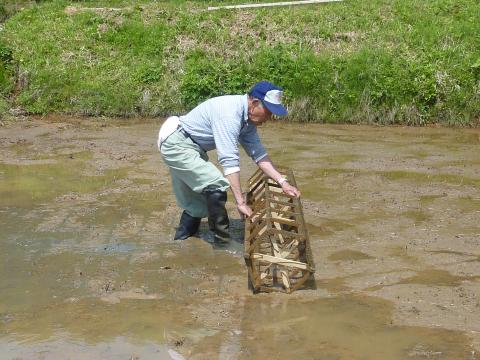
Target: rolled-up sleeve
[(226, 133), (251, 143)]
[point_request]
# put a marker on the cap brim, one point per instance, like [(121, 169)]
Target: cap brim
[(276, 109)]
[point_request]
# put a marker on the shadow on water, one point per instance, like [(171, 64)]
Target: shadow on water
[(437, 277), (343, 327), (430, 277)]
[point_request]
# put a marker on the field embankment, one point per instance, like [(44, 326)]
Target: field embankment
[(379, 61)]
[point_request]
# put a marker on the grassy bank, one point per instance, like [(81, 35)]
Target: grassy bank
[(376, 61)]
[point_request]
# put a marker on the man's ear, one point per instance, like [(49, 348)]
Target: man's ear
[(255, 102)]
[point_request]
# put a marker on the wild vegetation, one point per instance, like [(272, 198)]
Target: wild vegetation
[(379, 61)]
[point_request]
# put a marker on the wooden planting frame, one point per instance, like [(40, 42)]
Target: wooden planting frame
[(277, 246)]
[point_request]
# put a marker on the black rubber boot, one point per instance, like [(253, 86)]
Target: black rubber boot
[(188, 226), (218, 217)]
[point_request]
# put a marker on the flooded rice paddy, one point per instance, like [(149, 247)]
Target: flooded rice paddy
[(88, 266)]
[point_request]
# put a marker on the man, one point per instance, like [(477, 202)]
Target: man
[(221, 122)]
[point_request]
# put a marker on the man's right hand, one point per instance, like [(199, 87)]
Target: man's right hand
[(244, 210), (290, 190)]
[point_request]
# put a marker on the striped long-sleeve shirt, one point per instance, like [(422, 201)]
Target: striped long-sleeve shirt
[(222, 123)]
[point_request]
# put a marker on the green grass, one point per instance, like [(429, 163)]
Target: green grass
[(408, 62)]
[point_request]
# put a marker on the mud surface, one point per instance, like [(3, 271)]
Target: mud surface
[(88, 267)]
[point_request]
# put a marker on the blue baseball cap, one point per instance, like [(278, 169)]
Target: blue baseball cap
[(271, 97)]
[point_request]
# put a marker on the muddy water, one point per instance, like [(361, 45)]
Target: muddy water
[(88, 267)]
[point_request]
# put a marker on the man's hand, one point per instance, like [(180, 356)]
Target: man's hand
[(290, 190), (242, 207), (268, 169), (244, 210)]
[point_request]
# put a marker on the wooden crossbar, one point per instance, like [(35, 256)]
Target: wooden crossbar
[(268, 259)]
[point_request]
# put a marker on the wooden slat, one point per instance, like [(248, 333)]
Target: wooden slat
[(262, 236), (302, 281), (257, 176), (280, 261), (299, 236), (258, 192), (258, 203), (281, 220), (277, 253), (256, 185), (255, 232), (290, 204), (285, 195), (254, 220), (284, 211)]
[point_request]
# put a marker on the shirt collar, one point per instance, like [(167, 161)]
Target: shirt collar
[(245, 108)]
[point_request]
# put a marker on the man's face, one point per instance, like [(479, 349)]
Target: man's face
[(257, 113)]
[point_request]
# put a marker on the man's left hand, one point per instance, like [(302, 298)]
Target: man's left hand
[(290, 190)]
